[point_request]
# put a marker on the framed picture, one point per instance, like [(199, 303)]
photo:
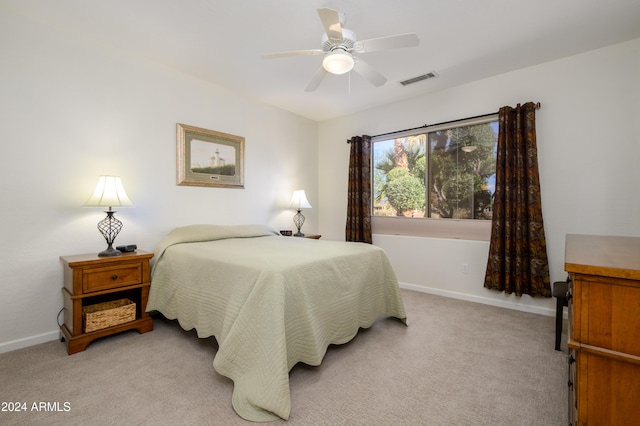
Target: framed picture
[(209, 158)]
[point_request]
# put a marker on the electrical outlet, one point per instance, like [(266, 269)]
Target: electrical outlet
[(465, 268)]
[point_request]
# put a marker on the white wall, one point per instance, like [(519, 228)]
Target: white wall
[(588, 153), (71, 110)]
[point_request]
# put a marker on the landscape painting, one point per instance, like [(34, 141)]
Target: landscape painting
[(209, 158)]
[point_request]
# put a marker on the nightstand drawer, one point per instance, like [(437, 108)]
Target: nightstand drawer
[(97, 279)]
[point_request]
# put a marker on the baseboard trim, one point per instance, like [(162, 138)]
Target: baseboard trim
[(55, 335), (479, 299), (29, 341)]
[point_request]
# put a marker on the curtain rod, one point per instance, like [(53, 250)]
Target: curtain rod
[(440, 124)]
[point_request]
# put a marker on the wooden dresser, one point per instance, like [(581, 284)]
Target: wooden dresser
[(604, 329)]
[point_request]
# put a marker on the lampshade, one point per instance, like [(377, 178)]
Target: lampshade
[(299, 200), (338, 62), (109, 193)]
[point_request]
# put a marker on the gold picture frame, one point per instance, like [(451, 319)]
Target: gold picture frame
[(209, 158)]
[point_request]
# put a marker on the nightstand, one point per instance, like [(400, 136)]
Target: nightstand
[(312, 236), (91, 280)]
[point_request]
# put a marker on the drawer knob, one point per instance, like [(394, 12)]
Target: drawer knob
[(114, 277)]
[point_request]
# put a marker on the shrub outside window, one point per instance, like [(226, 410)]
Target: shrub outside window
[(438, 172)]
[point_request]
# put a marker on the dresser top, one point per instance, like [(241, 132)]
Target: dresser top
[(603, 255)]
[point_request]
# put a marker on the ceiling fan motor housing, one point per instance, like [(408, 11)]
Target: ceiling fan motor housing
[(347, 43)]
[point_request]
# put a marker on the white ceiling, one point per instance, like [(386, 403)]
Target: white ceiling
[(222, 41)]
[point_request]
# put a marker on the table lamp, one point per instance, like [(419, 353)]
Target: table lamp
[(299, 201), (109, 193)]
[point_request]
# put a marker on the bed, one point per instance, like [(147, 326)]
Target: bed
[(270, 301)]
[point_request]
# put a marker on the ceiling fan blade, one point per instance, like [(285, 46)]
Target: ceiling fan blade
[(368, 72), (316, 80), (293, 53), (386, 43), (331, 22)]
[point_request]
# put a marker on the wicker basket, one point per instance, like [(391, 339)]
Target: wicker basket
[(103, 315)]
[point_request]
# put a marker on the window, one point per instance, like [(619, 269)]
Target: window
[(438, 172)]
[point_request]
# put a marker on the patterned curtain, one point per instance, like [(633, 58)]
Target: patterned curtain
[(359, 191), (518, 250)]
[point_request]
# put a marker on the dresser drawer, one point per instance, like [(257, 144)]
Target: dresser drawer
[(609, 314), (105, 278)]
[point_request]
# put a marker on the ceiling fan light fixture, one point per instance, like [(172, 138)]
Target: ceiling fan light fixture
[(338, 62)]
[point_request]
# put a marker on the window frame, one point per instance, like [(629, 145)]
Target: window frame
[(465, 229)]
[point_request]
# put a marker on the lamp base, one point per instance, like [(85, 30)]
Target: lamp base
[(110, 251), (109, 227), (298, 219)]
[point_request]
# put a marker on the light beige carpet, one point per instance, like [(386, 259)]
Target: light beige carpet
[(457, 363)]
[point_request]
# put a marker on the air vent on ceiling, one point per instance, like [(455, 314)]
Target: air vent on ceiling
[(426, 76)]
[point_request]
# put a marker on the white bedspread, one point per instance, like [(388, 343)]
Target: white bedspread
[(270, 301)]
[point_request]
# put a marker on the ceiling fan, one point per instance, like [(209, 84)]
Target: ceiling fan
[(339, 44)]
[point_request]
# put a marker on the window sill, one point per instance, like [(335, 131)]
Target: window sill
[(478, 230)]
